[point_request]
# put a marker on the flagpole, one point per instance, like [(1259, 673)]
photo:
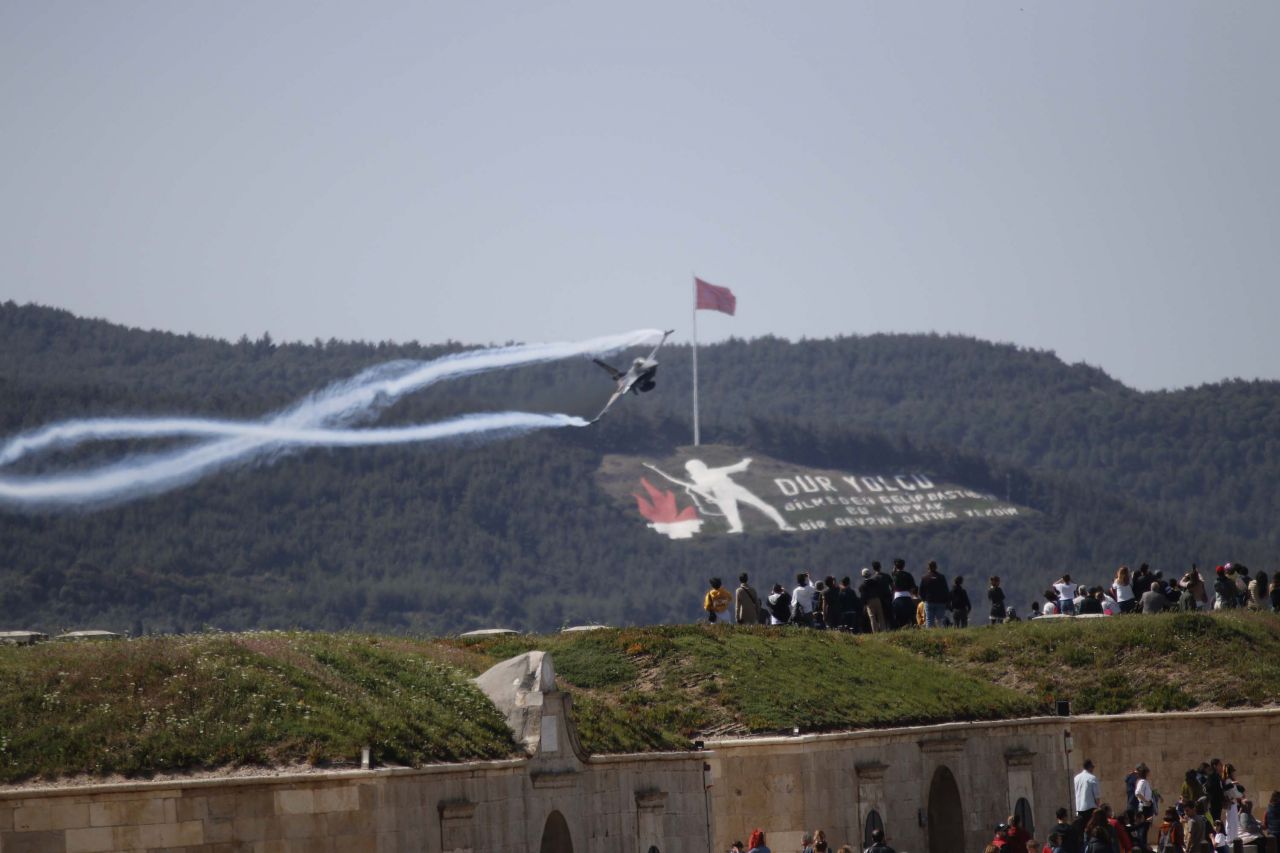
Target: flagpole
[(696, 436)]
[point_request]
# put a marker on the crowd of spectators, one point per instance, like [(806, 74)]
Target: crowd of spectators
[(1148, 591), (1212, 814), (877, 601), (814, 842)]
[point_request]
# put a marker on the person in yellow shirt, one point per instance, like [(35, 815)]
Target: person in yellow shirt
[(716, 601)]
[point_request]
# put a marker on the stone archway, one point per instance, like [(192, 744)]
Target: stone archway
[(946, 814), (555, 835)]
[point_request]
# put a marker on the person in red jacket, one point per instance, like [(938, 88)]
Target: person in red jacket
[(1121, 834), (1016, 837)]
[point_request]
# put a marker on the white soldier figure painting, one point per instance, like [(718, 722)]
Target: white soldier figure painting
[(715, 486)]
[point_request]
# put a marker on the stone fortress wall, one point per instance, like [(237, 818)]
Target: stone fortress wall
[(935, 788)]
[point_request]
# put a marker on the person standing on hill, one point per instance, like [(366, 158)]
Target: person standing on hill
[(1142, 580), (803, 599), (1154, 600), (995, 595), (960, 605), (1259, 588), (885, 587), (1066, 592), (779, 606), (746, 603), (1194, 584), (832, 615), (850, 607), (869, 589), (936, 595), (716, 601), (904, 606), (1224, 591), (1092, 604), (1122, 591)]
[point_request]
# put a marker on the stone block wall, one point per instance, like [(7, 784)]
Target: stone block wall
[(937, 789), (792, 785), (498, 807), (1170, 744), (789, 786)]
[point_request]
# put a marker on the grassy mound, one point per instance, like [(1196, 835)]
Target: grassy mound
[(1168, 662), (654, 688), (167, 703), (217, 700)]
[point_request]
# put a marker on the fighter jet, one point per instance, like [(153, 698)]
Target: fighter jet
[(638, 378)]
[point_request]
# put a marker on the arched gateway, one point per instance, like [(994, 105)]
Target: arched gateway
[(946, 815), (555, 835)]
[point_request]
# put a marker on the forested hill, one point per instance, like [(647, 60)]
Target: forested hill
[(515, 532)]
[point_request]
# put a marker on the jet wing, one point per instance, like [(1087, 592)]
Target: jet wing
[(614, 373), (609, 405), (665, 335)]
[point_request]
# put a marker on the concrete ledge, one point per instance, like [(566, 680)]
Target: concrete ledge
[(1030, 722), (175, 788)]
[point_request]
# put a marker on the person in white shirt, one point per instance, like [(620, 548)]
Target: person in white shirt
[(804, 596), (1088, 795), (1122, 591), (1066, 591), (1146, 805)]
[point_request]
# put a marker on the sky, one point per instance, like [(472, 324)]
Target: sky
[(1094, 178)]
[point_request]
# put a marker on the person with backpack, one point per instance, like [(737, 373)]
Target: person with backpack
[(803, 598), (746, 603), (779, 606), (716, 601), (1169, 837)]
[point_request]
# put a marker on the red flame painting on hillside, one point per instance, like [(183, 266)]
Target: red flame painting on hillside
[(664, 514)]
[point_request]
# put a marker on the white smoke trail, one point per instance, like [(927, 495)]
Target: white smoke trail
[(315, 421)]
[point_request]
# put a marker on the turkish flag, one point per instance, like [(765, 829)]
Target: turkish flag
[(713, 298)]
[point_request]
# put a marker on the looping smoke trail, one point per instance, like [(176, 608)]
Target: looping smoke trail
[(317, 420)]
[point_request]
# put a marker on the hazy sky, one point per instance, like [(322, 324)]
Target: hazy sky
[(1099, 179)]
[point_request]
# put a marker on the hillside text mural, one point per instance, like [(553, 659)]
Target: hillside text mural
[(720, 490)]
